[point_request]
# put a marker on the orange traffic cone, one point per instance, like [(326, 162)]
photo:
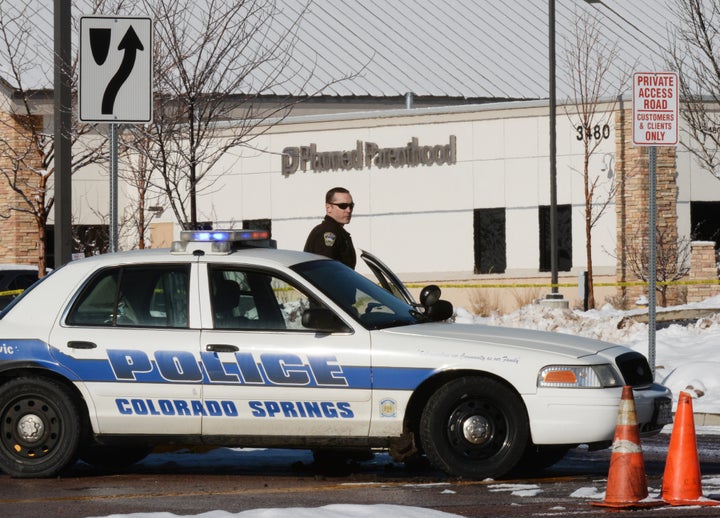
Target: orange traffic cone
[(681, 480), (627, 481)]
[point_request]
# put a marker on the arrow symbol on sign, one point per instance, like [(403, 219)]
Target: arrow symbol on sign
[(131, 44)]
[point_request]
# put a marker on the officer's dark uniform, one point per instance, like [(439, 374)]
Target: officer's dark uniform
[(330, 239)]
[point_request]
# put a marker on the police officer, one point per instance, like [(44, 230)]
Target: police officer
[(330, 238)]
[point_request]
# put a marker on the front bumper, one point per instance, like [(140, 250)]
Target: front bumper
[(584, 416)]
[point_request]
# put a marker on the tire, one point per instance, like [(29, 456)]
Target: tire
[(39, 428), (474, 427), (113, 457)]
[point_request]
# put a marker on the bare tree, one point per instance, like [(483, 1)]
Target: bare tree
[(215, 62), (27, 142), (137, 147), (695, 56), (672, 259), (589, 59)]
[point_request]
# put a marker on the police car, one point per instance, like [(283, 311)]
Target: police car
[(223, 340)]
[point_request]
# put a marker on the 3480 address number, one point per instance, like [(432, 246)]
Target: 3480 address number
[(597, 132)]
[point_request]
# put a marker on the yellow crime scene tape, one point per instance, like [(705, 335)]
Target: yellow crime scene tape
[(563, 285), (8, 293)]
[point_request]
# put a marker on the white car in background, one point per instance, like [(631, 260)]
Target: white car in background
[(223, 340)]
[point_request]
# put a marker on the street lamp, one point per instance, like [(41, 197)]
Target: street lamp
[(554, 294), (62, 122)]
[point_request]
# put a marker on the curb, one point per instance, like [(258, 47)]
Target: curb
[(706, 419)]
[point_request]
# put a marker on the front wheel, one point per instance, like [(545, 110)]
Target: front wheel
[(39, 428), (474, 427)]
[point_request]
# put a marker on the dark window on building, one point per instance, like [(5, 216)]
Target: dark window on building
[(258, 224), (88, 239), (705, 222), (200, 225), (564, 237), (490, 247), (91, 239)]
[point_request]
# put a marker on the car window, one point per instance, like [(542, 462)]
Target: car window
[(371, 305), (135, 296), (386, 278), (250, 299), (22, 281)]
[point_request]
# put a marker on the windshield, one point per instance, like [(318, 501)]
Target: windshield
[(368, 303)]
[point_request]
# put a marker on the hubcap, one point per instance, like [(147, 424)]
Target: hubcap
[(476, 429), (30, 428)]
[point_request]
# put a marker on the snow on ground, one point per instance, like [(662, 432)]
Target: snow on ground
[(328, 511)]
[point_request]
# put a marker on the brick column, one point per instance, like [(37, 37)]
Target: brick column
[(703, 267), (632, 202), (18, 231)]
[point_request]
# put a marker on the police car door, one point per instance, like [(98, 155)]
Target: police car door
[(131, 336), (267, 374)]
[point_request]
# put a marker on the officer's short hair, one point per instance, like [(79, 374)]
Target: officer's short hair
[(332, 192)]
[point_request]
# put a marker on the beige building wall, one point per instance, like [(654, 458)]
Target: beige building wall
[(419, 219)]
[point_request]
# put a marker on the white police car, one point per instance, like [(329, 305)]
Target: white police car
[(219, 342)]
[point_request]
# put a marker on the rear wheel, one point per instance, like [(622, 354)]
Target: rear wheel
[(474, 427), (39, 428)]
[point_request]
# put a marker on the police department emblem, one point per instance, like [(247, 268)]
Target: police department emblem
[(329, 238), (388, 408)]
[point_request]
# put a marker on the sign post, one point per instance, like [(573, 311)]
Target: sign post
[(115, 83), (655, 123)]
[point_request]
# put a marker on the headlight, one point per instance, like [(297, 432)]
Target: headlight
[(578, 376)]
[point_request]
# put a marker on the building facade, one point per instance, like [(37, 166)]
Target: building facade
[(458, 195)]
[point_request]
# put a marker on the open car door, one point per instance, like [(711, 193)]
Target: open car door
[(387, 278)]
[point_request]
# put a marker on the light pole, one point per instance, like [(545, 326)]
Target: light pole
[(62, 121), (554, 294)]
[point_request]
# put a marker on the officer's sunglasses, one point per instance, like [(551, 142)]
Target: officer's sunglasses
[(343, 206)]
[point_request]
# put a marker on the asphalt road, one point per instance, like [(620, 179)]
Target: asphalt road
[(190, 483)]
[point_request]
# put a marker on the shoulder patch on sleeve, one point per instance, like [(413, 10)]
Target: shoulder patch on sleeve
[(329, 238)]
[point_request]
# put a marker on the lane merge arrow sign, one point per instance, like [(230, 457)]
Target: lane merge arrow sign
[(115, 69)]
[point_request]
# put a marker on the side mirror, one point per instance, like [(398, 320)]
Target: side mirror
[(441, 310), (322, 319), (429, 295)]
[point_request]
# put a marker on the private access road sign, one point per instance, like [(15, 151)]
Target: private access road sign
[(655, 109), (115, 69)]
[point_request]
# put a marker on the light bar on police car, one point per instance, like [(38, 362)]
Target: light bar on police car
[(219, 236), (221, 241)]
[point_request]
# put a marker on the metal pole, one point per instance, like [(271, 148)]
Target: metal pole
[(553, 151), (113, 187), (652, 246), (62, 127)]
